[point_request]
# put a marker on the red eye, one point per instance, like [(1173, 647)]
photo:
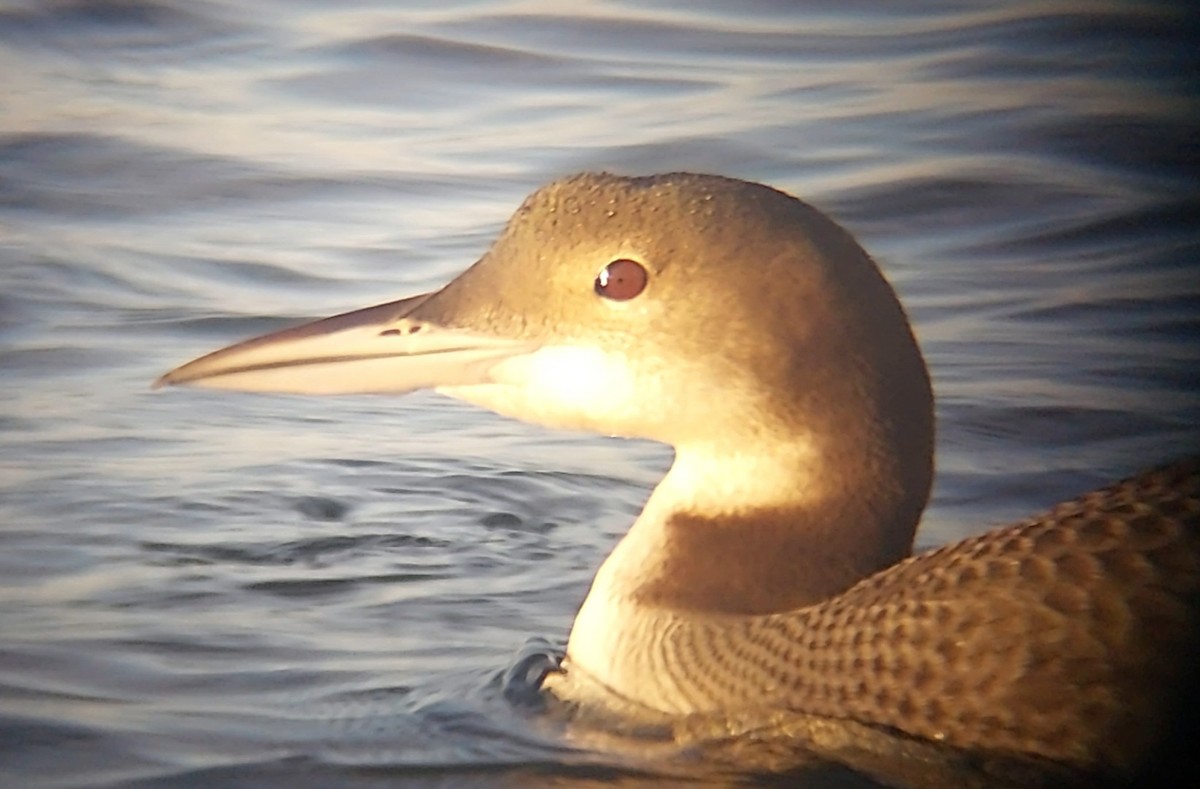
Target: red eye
[(621, 280)]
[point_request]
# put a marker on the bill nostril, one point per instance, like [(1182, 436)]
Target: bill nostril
[(403, 329)]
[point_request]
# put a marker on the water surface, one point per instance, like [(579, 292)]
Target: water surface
[(206, 589)]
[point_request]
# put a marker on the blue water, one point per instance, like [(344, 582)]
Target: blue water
[(202, 589)]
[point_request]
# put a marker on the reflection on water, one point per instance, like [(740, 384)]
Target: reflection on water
[(199, 589)]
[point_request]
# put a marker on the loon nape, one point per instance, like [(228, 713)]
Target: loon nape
[(770, 570)]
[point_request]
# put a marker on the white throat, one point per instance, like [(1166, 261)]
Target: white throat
[(616, 630)]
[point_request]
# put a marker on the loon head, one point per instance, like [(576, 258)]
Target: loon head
[(726, 318)]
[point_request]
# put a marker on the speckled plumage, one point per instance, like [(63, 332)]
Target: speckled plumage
[(1064, 636)]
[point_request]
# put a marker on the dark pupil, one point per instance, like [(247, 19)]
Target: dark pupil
[(621, 280)]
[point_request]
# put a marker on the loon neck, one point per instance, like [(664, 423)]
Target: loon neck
[(744, 532)]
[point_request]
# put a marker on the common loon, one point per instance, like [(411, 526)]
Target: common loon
[(771, 569)]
